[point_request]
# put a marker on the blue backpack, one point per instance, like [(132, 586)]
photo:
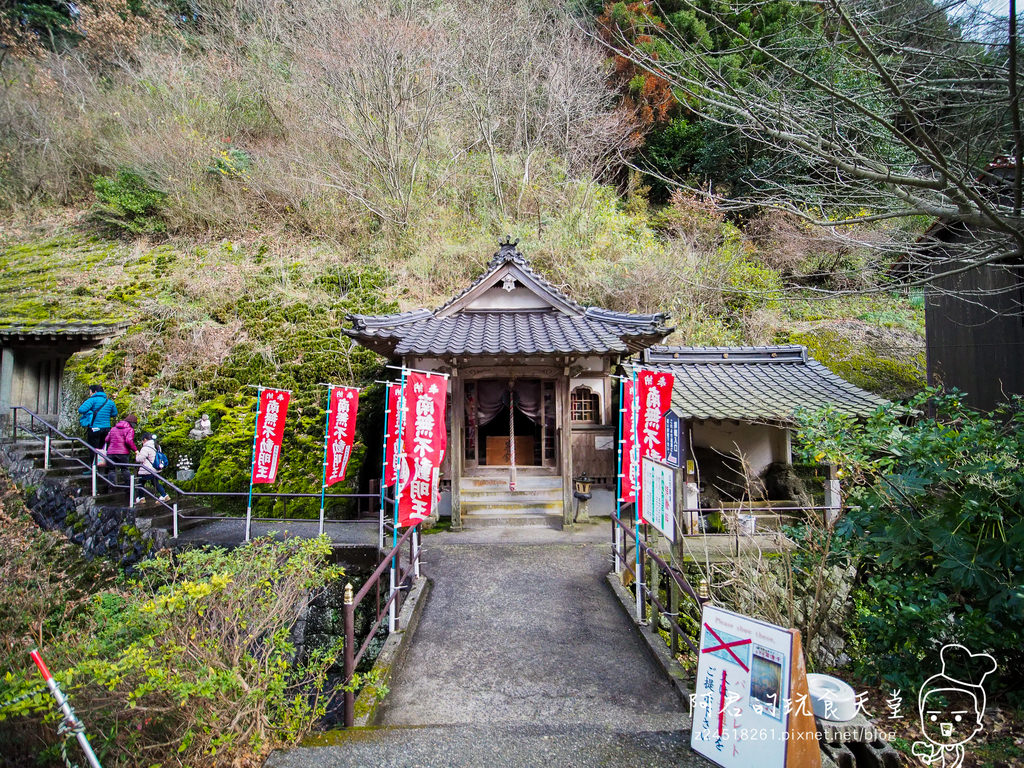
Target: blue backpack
[(160, 462)]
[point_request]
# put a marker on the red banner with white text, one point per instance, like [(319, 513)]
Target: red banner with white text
[(423, 443), (341, 431), (654, 399), (391, 440), (628, 469), (273, 407)]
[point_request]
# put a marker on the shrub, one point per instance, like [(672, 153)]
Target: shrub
[(936, 521), (192, 663), (125, 204)]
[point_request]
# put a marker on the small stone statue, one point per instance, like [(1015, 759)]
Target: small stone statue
[(202, 428)]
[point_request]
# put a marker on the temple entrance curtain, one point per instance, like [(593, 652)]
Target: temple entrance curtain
[(492, 400)]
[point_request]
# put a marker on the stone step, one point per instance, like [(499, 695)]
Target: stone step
[(473, 521), (166, 521), (504, 494), (500, 505), (523, 483)]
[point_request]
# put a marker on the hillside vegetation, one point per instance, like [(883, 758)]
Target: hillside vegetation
[(233, 179)]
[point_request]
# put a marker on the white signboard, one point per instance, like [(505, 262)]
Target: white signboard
[(659, 496), (744, 711)]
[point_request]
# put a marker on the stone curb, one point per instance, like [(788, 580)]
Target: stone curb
[(394, 650), (652, 640)]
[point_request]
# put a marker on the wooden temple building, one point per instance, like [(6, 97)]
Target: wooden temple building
[(533, 398)]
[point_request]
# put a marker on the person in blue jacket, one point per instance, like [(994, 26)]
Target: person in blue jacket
[(97, 415)]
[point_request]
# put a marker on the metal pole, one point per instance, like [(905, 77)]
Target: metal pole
[(14, 422), (94, 481), (400, 452), (350, 657), (175, 519), (131, 487), (46, 452), (405, 370), (384, 464), (72, 722), (252, 465), (617, 530), (327, 430), (391, 591), (635, 451), (416, 552)]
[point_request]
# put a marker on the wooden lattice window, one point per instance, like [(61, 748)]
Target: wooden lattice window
[(585, 406)]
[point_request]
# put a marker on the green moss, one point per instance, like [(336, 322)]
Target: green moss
[(889, 377)]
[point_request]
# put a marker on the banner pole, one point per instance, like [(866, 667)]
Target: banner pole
[(252, 465), (617, 541), (327, 430), (384, 464), (400, 452), (638, 491)]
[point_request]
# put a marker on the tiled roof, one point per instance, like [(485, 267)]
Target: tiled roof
[(64, 331), (507, 253), (456, 329), (505, 333), (757, 384)]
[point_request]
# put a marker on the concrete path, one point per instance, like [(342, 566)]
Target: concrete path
[(522, 658), (521, 628), (230, 531)]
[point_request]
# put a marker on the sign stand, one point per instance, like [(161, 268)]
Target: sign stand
[(252, 465), (752, 705)]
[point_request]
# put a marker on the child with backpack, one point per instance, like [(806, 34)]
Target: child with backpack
[(153, 460), (120, 440)]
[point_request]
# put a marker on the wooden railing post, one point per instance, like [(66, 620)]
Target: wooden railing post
[(350, 663), (654, 594), (673, 607)]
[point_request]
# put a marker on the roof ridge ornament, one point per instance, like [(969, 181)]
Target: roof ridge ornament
[(507, 251)]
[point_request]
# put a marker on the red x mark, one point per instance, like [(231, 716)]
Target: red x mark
[(726, 646)]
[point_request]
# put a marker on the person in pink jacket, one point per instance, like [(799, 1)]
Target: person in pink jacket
[(120, 445)]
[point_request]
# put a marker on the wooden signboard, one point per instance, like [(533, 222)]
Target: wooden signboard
[(498, 451), (673, 439), (751, 706), (659, 496)]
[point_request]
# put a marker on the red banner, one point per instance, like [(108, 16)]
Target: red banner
[(654, 390), (391, 441), (654, 399), (273, 407), (341, 431), (629, 465), (423, 444)]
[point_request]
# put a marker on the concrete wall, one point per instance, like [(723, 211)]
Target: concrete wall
[(759, 444)]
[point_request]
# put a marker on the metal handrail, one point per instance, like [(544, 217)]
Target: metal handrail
[(165, 481), (392, 559), (646, 551)]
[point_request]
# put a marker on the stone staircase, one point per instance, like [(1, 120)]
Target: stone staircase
[(487, 500), (65, 468)]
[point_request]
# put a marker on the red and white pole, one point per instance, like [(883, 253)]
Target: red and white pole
[(70, 719)]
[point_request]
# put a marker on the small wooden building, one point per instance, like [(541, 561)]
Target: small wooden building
[(530, 369), (32, 360), (736, 407)]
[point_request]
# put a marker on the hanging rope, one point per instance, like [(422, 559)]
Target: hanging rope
[(511, 436)]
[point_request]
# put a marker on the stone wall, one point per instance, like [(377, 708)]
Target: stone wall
[(102, 531)]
